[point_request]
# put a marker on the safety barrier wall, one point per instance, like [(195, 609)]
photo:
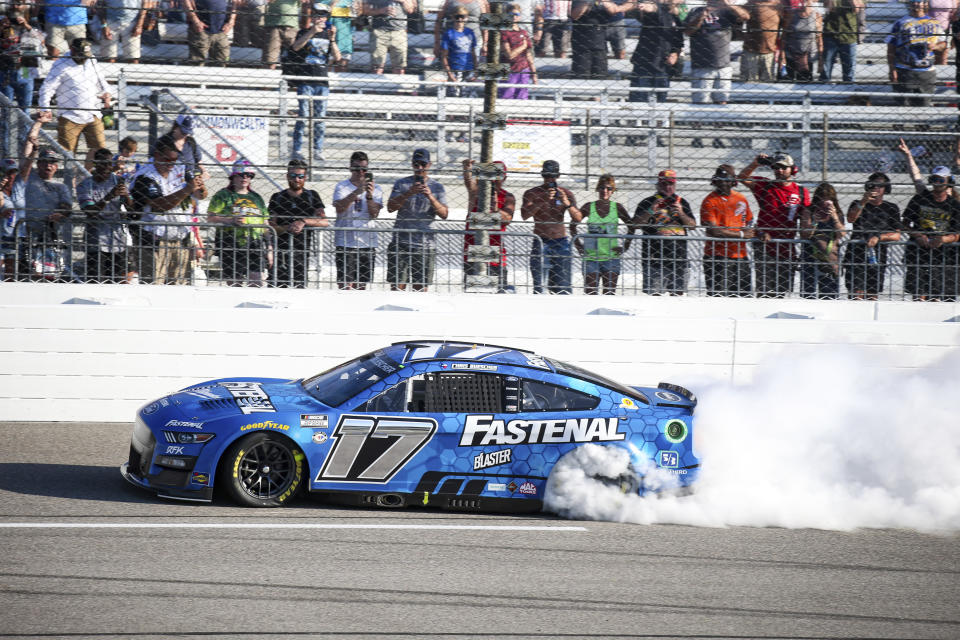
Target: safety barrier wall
[(96, 352)]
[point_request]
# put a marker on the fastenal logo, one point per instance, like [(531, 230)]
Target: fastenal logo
[(483, 430)]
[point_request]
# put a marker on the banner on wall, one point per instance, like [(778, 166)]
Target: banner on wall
[(246, 136), (525, 144)]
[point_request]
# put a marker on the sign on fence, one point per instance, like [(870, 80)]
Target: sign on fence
[(525, 144), (246, 136)]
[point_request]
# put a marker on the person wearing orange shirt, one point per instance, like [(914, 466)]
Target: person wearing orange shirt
[(726, 215)]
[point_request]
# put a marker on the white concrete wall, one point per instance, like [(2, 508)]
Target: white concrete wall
[(96, 352)]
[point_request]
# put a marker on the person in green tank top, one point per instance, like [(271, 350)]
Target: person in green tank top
[(243, 245), (600, 249)]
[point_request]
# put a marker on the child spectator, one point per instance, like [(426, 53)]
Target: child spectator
[(516, 47), (458, 52)]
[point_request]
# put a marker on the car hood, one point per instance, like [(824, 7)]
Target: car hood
[(241, 396)]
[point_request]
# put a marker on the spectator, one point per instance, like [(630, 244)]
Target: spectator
[(163, 195), (658, 48), (875, 222), (446, 20), (291, 212), (667, 216), (66, 22), (554, 28), (759, 59), (342, 15), (711, 29), (417, 200), (616, 32), (125, 162), (550, 254), (78, 86), (106, 201), (589, 19), (388, 32), (505, 204), (181, 133), (123, 22), (910, 52), (281, 21), (210, 23), (458, 52), (358, 201), (246, 27), (726, 214), (20, 62), (932, 220), (822, 227), (13, 205), (310, 54), (600, 256), (780, 204), (802, 40), (516, 48), (244, 245), (841, 33), (942, 12)]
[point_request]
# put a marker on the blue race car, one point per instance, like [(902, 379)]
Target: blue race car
[(455, 425)]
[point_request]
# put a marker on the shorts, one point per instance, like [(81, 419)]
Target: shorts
[(123, 46), (68, 134), (392, 42), (601, 266), (617, 37), (276, 38), (60, 36)]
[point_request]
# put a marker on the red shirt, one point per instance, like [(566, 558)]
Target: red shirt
[(496, 240), (778, 211)]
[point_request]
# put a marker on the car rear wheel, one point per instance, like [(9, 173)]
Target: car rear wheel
[(587, 474), (262, 470)]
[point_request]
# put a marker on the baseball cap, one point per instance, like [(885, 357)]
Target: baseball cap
[(782, 158), (725, 172), (185, 122), (503, 166), (81, 47), (47, 154), (550, 168), (667, 175), (322, 8), (421, 155), (941, 172), (9, 164), (241, 167), (461, 11)]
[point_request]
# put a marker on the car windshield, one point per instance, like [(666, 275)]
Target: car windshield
[(337, 385), (577, 372)]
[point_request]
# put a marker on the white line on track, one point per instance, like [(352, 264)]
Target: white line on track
[(284, 525)]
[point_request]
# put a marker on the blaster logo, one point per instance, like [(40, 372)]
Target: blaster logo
[(483, 430), (495, 459)]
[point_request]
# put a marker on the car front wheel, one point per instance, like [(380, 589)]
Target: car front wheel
[(262, 470)]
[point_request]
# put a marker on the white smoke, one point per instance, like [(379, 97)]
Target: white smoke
[(828, 440)]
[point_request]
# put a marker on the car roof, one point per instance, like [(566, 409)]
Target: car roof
[(421, 350)]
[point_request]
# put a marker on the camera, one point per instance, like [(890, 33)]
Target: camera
[(368, 176), (187, 175), (552, 184), (765, 162), (419, 180)]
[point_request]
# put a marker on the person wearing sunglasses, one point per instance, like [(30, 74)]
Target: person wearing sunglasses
[(600, 252), (875, 222), (293, 213), (726, 215), (458, 52), (932, 221), (417, 200), (245, 253), (668, 218), (780, 204), (358, 201)]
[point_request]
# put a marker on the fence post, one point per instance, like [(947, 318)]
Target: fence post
[(586, 150), (282, 133), (805, 140), (825, 153)]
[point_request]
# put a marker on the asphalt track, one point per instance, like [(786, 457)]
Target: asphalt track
[(84, 555)]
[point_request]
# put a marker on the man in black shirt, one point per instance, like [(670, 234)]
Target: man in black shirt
[(588, 41), (291, 212), (932, 218), (658, 48)]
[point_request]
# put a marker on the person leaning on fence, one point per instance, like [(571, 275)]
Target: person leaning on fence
[(80, 90), (417, 201), (163, 193), (667, 217), (358, 201), (875, 222), (243, 237), (13, 206), (458, 52), (313, 50), (658, 48), (725, 214), (600, 252), (711, 30), (388, 31), (821, 226), (292, 212), (505, 206), (758, 61), (780, 203), (911, 45), (516, 49), (208, 36), (106, 201), (550, 254)]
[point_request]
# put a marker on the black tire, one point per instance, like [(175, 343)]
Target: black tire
[(262, 470)]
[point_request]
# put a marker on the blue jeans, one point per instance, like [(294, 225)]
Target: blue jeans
[(848, 58), (20, 90), (658, 81), (553, 257), (319, 112)]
